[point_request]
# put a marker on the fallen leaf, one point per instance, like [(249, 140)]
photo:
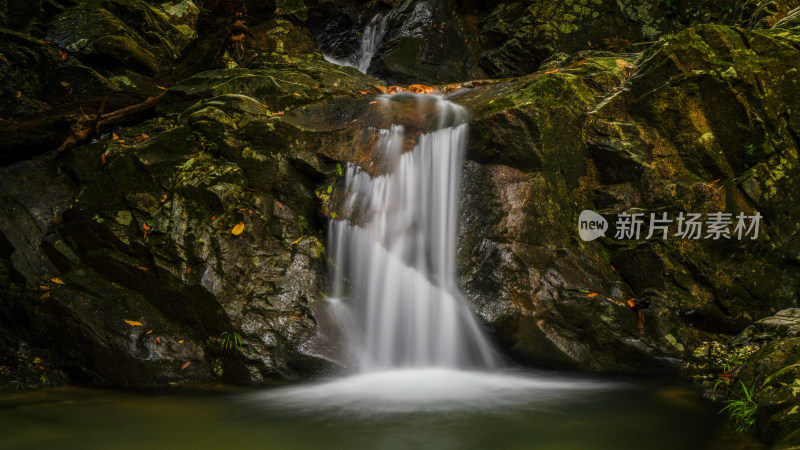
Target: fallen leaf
[(420, 89), (250, 211), (551, 71), (237, 38), (185, 365), (278, 113), (297, 94), (188, 270), (158, 340), (298, 240), (613, 269), (162, 88), (373, 102), (180, 342), (143, 268), (213, 218), (631, 303), (57, 219), (63, 55), (114, 136), (237, 230), (102, 160), (44, 288), (163, 198), (149, 331), (365, 92), (145, 227), (142, 137), (381, 89), (4, 58), (593, 294), (57, 280), (717, 181), (250, 189), (45, 296), (133, 323), (19, 94)]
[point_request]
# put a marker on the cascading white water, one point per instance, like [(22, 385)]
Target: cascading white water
[(371, 38), (393, 285), (393, 253)]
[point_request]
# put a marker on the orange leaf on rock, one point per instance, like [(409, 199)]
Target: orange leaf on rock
[(45, 296), (114, 136), (183, 367), (420, 89), (593, 294), (158, 340), (180, 342), (133, 323), (143, 268), (149, 331), (44, 288), (145, 227), (57, 280), (142, 137), (237, 230)]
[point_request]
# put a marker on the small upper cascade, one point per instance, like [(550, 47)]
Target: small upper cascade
[(371, 38)]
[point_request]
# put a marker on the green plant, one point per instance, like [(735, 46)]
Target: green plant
[(230, 341), (742, 408), (43, 378), (749, 149), (18, 385), (202, 142)]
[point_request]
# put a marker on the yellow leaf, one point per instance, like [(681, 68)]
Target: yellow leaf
[(114, 136), (237, 230), (133, 323), (298, 240), (180, 342), (57, 280), (162, 88), (593, 294), (45, 296), (44, 288), (149, 331)]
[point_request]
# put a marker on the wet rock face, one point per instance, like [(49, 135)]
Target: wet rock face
[(517, 37), (688, 133), (145, 251)]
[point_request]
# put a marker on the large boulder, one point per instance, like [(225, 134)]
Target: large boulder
[(141, 259), (705, 124), (518, 36)]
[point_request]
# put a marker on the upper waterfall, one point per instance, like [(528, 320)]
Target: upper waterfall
[(371, 38)]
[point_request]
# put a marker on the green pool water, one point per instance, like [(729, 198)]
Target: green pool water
[(609, 415)]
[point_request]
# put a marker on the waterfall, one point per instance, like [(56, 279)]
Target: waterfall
[(393, 252), (371, 38)]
